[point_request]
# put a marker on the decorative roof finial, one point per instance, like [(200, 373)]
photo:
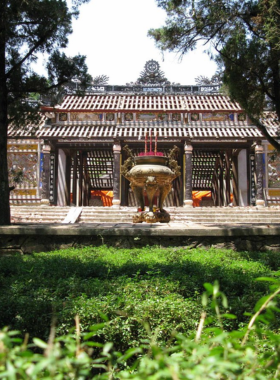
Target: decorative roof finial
[(152, 74)]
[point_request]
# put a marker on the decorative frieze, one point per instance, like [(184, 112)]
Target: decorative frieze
[(140, 117), (217, 116), (62, 116), (79, 116), (152, 117)]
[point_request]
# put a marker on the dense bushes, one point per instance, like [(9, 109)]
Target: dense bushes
[(210, 353), (152, 288), (147, 302)]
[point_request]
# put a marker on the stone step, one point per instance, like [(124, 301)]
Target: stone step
[(224, 220), (221, 219), (183, 209), (36, 214), (105, 219), (55, 214), (188, 214), (39, 218), (40, 209), (177, 218)]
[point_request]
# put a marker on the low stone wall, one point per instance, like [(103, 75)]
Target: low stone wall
[(27, 240)]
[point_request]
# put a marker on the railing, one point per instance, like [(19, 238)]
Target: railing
[(156, 89), (153, 88)]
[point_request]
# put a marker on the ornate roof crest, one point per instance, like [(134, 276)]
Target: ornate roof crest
[(152, 75)]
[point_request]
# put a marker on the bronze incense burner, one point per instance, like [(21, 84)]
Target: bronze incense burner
[(151, 174)]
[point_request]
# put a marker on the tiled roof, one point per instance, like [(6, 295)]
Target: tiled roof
[(270, 119), (102, 130), (129, 102), (138, 132), (30, 131)]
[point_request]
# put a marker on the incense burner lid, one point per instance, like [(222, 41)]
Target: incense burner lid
[(151, 160)]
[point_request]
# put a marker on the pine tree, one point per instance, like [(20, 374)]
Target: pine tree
[(27, 29)]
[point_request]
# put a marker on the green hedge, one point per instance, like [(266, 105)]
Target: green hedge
[(139, 290), (252, 352)]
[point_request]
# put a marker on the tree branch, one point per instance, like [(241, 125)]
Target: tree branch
[(263, 129), (39, 43)]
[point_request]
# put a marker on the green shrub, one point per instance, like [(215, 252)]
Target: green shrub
[(210, 353), (155, 287)]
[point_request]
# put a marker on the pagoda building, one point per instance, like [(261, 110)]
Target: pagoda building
[(74, 156)]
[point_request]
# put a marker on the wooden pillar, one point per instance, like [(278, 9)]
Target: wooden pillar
[(85, 182), (235, 186), (259, 175), (68, 179), (45, 193), (80, 203), (116, 175), (61, 178), (75, 168), (55, 155), (188, 201), (221, 182), (228, 155), (215, 183), (124, 191)]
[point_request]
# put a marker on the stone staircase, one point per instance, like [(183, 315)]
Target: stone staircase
[(227, 215), (198, 215), (38, 214)]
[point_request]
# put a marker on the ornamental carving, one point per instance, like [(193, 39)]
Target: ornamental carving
[(151, 175), (110, 116), (176, 117), (195, 117), (128, 116), (77, 116), (63, 117), (152, 75)]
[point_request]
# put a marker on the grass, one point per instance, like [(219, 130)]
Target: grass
[(145, 291)]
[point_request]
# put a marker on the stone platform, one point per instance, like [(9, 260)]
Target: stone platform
[(249, 236)]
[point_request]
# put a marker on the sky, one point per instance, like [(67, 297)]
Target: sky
[(113, 36)]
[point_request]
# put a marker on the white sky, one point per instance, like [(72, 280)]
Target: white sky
[(113, 36)]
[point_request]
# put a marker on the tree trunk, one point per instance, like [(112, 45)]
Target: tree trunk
[(4, 181)]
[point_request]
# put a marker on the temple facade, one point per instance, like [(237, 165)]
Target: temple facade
[(74, 156)]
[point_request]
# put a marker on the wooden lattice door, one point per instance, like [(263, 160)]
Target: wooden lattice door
[(90, 170)]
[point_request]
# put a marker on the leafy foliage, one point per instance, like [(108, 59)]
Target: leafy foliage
[(249, 353), (100, 80), (29, 29), (143, 292), (202, 80)]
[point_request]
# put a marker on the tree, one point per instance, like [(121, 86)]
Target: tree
[(202, 80), (27, 29), (245, 38)]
